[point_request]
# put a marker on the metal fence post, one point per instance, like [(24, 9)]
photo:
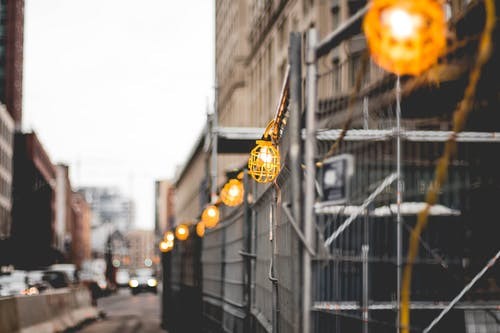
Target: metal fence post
[(247, 234), (214, 140), (310, 145), (399, 222), (294, 56)]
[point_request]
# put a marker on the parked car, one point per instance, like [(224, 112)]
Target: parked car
[(56, 279), (36, 283), (13, 283), (143, 279), (69, 269)]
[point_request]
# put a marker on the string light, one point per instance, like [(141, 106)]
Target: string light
[(182, 232), (264, 162), (232, 193), (200, 229), (169, 236), (166, 245), (405, 37), (210, 216)]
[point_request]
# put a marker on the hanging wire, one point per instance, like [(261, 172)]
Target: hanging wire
[(459, 120)]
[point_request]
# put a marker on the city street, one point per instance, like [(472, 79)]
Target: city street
[(125, 313)]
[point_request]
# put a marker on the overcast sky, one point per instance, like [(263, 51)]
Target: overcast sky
[(118, 89)]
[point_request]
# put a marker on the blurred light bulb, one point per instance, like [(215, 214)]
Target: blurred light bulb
[(265, 156), (164, 246), (210, 216), (401, 23), (182, 232), (169, 236), (200, 229), (234, 191)]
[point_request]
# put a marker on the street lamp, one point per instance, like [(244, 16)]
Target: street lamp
[(405, 37)]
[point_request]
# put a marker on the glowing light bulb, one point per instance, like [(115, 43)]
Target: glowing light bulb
[(182, 232), (234, 191), (406, 37), (163, 246), (265, 156), (264, 162), (402, 24), (210, 216), (169, 236), (166, 245), (200, 229)]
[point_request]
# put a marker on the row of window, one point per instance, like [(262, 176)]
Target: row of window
[(6, 133), (5, 219), (5, 161), (5, 188)]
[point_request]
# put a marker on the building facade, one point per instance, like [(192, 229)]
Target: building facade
[(142, 249), (80, 231), (33, 204), (64, 215), (164, 206), (111, 212), (191, 192), (11, 57)]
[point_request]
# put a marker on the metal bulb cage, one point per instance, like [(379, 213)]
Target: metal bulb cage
[(200, 229), (264, 162), (182, 232), (232, 193), (411, 53), (210, 216)]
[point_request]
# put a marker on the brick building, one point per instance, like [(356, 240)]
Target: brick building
[(33, 194), (11, 57)]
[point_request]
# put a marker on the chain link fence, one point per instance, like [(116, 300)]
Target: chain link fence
[(250, 275)]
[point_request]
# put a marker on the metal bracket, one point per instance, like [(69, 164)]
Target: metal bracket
[(270, 276), (247, 254), (297, 229), (386, 182)]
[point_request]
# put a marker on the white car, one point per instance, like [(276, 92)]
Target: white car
[(13, 284), (122, 277)]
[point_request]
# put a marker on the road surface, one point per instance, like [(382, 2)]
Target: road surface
[(127, 314)]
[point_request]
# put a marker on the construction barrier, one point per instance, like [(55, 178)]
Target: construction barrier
[(46, 313)]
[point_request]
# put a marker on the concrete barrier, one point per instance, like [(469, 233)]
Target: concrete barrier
[(50, 312)]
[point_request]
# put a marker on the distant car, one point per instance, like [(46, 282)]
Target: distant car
[(122, 278), (34, 279), (69, 269), (13, 283), (56, 279), (143, 280)]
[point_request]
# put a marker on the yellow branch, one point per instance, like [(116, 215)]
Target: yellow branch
[(459, 120)]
